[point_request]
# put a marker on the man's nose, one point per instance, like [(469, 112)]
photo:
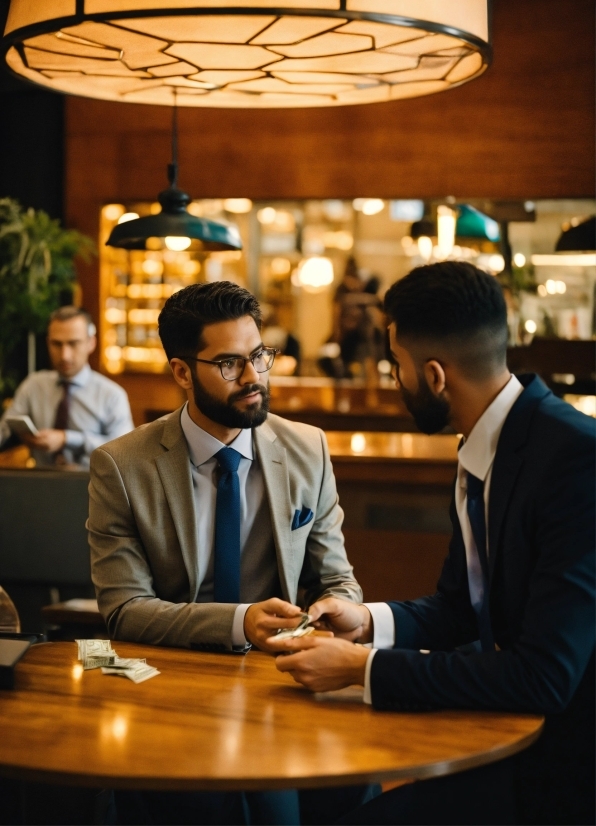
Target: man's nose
[(249, 375)]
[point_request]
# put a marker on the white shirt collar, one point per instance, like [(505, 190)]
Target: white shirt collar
[(202, 446), (477, 453), (80, 379)]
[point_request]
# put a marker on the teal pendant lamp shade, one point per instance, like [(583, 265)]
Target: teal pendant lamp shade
[(174, 220), (471, 223)]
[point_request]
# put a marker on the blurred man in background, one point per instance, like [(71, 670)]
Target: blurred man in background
[(73, 408)]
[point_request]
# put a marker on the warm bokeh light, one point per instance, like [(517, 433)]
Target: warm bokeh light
[(237, 206), (315, 273), (446, 220), (368, 206), (519, 259), (425, 247), (113, 211), (530, 326), (358, 443), (267, 215)]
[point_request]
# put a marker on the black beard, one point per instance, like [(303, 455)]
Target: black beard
[(430, 413), (225, 413)]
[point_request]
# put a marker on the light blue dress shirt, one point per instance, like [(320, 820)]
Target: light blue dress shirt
[(98, 412)]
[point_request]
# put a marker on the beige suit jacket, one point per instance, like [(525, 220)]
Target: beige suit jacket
[(142, 531)]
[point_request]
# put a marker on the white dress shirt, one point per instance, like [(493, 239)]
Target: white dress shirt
[(202, 448), (98, 411), (476, 456)]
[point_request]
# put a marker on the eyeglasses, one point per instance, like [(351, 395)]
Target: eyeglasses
[(233, 368)]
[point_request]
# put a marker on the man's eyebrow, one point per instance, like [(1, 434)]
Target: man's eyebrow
[(224, 356)]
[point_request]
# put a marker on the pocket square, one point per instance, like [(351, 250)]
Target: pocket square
[(302, 518)]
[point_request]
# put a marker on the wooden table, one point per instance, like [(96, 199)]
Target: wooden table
[(217, 721)]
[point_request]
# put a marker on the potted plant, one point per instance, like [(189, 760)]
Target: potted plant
[(37, 275)]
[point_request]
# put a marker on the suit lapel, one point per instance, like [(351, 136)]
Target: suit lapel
[(274, 466), (174, 471), (509, 459)]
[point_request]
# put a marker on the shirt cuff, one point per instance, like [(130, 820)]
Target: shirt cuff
[(239, 641), (74, 438), (367, 697), (383, 624)]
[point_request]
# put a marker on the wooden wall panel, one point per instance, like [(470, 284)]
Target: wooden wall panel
[(525, 129)]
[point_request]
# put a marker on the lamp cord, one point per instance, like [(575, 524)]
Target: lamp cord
[(173, 167)]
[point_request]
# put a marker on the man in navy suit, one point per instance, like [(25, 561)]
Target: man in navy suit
[(511, 625)]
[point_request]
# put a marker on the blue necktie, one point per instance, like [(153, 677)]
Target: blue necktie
[(227, 528), (475, 506)]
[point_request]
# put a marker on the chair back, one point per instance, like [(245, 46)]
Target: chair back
[(43, 539)]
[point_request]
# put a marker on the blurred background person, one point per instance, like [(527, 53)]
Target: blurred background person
[(74, 408)]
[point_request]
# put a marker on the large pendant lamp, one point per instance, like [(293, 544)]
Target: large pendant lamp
[(238, 53)]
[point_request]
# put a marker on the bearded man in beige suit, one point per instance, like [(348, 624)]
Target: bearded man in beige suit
[(215, 525)]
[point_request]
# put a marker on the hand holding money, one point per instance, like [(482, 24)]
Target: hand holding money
[(263, 619), (100, 654)]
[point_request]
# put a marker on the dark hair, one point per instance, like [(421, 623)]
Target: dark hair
[(187, 312), (68, 312), (456, 306)]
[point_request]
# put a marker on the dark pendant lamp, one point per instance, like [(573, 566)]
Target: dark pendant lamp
[(174, 220)]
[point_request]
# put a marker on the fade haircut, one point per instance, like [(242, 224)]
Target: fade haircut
[(68, 312), (187, 312), (455, 308)]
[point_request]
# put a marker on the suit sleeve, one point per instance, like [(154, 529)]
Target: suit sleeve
[(445, 620), (543, 668), (326, 571), (124, 582)]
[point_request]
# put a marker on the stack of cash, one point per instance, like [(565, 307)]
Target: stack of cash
[(301, 630), (100, 654)]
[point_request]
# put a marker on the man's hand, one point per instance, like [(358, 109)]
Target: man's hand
[(322, 663), (49, 439), (345, 619), (263, 619)]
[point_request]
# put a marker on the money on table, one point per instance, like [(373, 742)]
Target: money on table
[(100, 654)]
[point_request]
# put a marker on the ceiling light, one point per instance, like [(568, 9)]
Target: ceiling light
[(260, 55), (174, 223)]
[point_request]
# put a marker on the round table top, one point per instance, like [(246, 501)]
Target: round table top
[(218, 721)]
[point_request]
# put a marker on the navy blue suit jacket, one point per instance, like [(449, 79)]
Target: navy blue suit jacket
[(541, 526)]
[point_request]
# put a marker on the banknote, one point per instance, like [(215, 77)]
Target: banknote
[(136, 670), (95, 653), (301, 630), (100, 654)]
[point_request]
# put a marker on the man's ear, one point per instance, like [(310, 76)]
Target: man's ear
[(434, 374), (181, 373), (92, 344)]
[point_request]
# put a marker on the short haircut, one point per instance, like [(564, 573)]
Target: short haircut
[(187, 312), (68, 312), (456, 308)]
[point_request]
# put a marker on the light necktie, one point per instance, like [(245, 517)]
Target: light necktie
[(227, 528), (476, 515), (62, 411)]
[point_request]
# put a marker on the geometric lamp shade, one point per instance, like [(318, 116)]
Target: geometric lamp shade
[(243, 54)]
